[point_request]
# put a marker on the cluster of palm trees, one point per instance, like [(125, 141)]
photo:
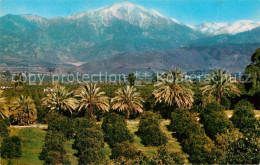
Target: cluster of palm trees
[(170, 89), (89, 96), (22, 109)]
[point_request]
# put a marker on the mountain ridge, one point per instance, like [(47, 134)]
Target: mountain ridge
[(107, 33)]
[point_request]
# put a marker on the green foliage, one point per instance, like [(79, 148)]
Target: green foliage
[(244, 116), (11, 148), (149, 130), (124, 152), (54, 145), (61, 124), (89, 142), (164, 156), (131, 79), (115, 129), (184, 123), (243, 151), (201, 149), (55, 157), (193, 139), (254, 71), (4, 132), (223, 141), (225, 102), (215, 120)]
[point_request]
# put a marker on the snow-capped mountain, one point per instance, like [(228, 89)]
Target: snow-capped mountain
[(125, 11), (225, 28), (120, 33)]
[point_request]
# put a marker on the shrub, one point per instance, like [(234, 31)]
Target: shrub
[(11, 148), (243, 151), (54, 157), (164, 156), (149, 130), (215, 120), (243, 117), (224, 140), (201, 149), (60, 124), (115, 129), (89, 142), (54, 145), (123, 152), (184, 123), (4, 132), (193, 139)]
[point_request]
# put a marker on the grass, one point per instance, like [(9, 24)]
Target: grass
[(172, 145), (32, 142), (230, 112)]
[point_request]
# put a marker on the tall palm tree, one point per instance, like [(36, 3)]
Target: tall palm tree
[(171, 89), (3, 107), (60, 100), (24, 110), (128, 100), (89, 96), (219, 83)]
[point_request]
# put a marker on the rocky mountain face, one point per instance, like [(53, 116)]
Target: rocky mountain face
[(124, 37)]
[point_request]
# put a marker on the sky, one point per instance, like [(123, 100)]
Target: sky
[(187, 11)]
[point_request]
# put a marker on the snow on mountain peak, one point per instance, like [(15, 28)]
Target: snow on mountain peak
[(225, 28), (130, 12)]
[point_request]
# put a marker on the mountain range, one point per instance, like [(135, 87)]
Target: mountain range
[(125, 37)]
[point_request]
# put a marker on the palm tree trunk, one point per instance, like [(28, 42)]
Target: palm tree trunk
[(219, 96), (90, 112)]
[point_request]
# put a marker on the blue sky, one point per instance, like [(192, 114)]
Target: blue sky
[(186, 11)]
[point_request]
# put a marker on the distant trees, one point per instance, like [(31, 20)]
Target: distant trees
[(173, 90), (219, 83), (60, 100), (128, 101), (90, 96), (23, 110), (131, 79)]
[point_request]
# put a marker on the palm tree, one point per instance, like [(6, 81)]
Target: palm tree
[(128, 100), (172, 89), (89, 96), (60, 100), (24, 110), (219, 83), (3, 107)]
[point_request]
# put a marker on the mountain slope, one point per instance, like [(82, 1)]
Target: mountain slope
[(112, 35)]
